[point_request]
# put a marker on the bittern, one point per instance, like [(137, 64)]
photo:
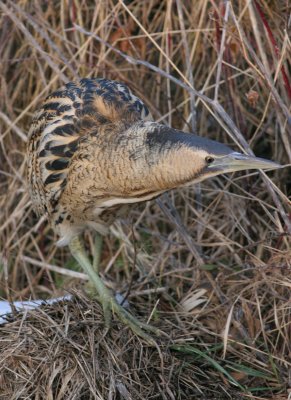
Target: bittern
[(94, 150)]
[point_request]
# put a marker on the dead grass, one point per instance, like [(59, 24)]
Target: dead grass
[(220, 284)]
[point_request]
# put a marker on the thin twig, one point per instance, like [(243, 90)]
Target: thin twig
[(33, 42), (275, 46), (55, 268), (189, 73), (13, 127), (264, 73), (221, 51), (45, 36), (174, 217), (206, 100)]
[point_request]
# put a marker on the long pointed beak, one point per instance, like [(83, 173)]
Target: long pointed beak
[(239, 162)]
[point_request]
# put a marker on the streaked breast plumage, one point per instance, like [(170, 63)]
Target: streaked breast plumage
[(94, 150), (61, 131)]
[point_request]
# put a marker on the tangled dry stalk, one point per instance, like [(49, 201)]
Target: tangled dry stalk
[(210, 265)]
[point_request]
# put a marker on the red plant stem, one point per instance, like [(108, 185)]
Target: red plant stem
[(275, 47), (217, 24)]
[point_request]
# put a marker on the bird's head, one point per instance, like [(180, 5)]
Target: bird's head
[(185, 158), (216, 164)]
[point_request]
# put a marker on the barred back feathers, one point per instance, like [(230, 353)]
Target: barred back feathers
[(93, 150), (61, 130)]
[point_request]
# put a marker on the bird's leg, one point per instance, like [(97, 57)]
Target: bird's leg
[(97, 251), (107, 300), (79, 253)]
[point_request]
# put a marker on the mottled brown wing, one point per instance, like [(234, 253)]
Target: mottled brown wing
[(57, 127)]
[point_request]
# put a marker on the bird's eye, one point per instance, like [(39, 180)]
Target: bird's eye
[(209, 160)]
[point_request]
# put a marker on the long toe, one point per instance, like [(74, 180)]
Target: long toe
[(107, 299), (138, 327), (106, 302)]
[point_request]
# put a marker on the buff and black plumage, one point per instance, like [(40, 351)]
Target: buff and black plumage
[(94, 150)]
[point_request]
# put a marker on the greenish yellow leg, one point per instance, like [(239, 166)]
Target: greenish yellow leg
[(107, 300), (97, 249), (98, 242)]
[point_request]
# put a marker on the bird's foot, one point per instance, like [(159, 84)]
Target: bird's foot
[(110, 305), (141, 329)]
